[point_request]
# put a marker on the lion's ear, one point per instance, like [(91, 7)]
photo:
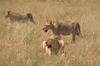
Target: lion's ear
[(50, 22), (47, 22), (56, 25), (9, 12)]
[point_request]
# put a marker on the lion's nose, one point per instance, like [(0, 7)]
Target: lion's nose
[(46, 30)]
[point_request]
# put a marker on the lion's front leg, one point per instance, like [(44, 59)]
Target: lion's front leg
[(47, 49)]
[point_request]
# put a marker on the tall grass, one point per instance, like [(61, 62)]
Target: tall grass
[(21, 43)]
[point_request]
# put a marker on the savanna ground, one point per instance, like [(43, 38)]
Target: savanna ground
[(21, 43)]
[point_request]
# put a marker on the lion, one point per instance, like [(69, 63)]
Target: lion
[(63, 29), (18, 17), (53, 46)]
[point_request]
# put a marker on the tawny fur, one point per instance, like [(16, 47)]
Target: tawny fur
[(53, 46), (63, 29), (18, 17)]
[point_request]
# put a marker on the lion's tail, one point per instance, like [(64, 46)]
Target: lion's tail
[(78, 30)]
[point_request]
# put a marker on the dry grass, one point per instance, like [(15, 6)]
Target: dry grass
[(20, 43)]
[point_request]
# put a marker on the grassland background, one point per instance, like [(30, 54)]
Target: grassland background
[(20, 43)]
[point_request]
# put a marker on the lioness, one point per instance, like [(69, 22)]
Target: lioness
[(61, 29), (18, 17)]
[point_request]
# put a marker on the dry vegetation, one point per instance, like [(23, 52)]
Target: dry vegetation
[(20, 43)]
